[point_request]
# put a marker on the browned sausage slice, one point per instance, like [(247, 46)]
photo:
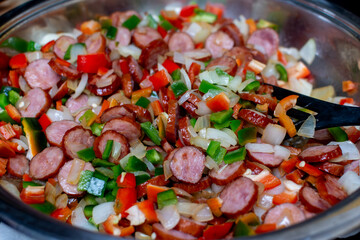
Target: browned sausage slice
[(76, 104), (76, 139), (118, 18), (62, 44), (100, 144), (141, 114), (239, 197), (95, 43), (260, 99), (284, 215), (227, 64), (38, 102), (194, 187), (68, 72), (218, 43), (142, 36), (255, 117), (320, 153), (135, 69), (198, 54), (267, 159), (184, 133), (116, 112), (181, 42), (39, 74), (113, 84), (227, 174), (329, 189), (18, 165), (188, 164), (189, 226), (241, 53), (68, 188), (312, 201), (332, 168), (126, 126), (63, 90), (46, 163), (56, 131), (265, 40), (172, 123), (123, 38), (163, 234), (149, 55), (233, 31)]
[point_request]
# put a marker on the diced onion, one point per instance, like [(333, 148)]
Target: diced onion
[(192, 131), (307, 129), (185, 97), (94, 101), (78, 219), (106, 79), (50, 193), (142, 236), (22, 104), (130, 50), (210, 163), (56, 115), (235, 83), (324, 93), (179, 58), (23, 85), (218, 135), (265, 201), (244, 84), (231, 133), (53, 91), (350, 181), (259, 212), (308, 51), (203, 109), (202, 122), (136, 216), (167, 170), (138, 150), (270, 70), (182, 193), (32, 56), (149, 165), (290, 51), (203, 215), (260, 147), (102, 211), (199, 142), (300, 85), (116, 150), (189, 61), (20, 143), (61, 201), (168, 216), (216, 188), (242, 26), (120, 98), (193, 29), (10, 187), (82, 84), (291, 186), (186, 209), (185, 78), (75, 171), (281, 152), (349, 150), (273, 134)]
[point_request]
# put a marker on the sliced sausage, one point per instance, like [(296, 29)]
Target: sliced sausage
[(189, 226), (149, 55), (135, 69), (190, 108), (95, 43), (198, 54), (218, 43), (62, 44), (184, 133), (172, 123), (76, 139), (68, 188), (116, 112), (80, 113), (113, 85), (239, 197), (124, 125), (76, 104), (323, 136), (332, 168), (254, 167), (312, 201), (69, 72), (56, 131), (163, 234), (143, 36), (329, 189), (122, 38), (157, 180), (260, 99), (353, 166), (118, 18), (284, 215), (227, 64), (320, 153), (127, 84), (267, 159), (255, 117), (38, 102), (194, 187), (39, 74), (164, 98), (166, 145), (46, 163), (265, 40), (141, 114), (233, 31), (227, 174), (188, 164), (181, 42), (18, 165), (101, 141), (241, 53)]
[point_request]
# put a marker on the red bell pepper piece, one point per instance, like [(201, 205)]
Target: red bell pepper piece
[(309, 169), (44, 121), (3, 164), (217, 231), (295, 176), (4, 60), (61, 214), (33, 194), (170, 65), (90, 63), (215, 8), (18, 61), (288, 165), (156, 106), (7, 131), (13, 79), (124, 66), (26, 178), (62, 62), (147, 208), (111, 226), (194, 70), (162, 31), (13, 112), (285, 197), (125, 198), (159, 79), (6, 150), (346, 100), (46, 48), (126, 180), (266, 227), (188, 10), (218, 103)]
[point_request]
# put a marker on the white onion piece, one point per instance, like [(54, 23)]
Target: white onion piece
[(210, 163), (244, 84), (32, 56), (23, 85), (349, 150), (235, 83), (167, 170), (290, 51), (185, 78), (192, 131), (75, 171), (276, 190), (260, 147), (350, 182), (56, 115), (300, 85), (20, 143), (22, 104), (179, 58), (231, 133), (259, 212), (202, 122), (193, 29), (265, 201), (307, 129), (78, 219), (242, 26), (11, 188), (185, 97), (82, 84), (94, 101), (187, 209), (130, 50), (219, 135), (189, 61), (149, 165), (203, 215), (53, 91), (182, 193), (142, 236), (291, 186), (102, 211), (308, 51), (198, 142), (203, 109), (138, 149), (116, 150), (273, 134), (217, 188), (136, 216), (282, 152), (168, 216)]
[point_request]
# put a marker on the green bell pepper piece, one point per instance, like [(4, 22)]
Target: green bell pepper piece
[(154, 156), (234, 156), (166, 198), (151, 132), (86, 154)]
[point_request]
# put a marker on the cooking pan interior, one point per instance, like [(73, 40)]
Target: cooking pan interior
[(337, 37)]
